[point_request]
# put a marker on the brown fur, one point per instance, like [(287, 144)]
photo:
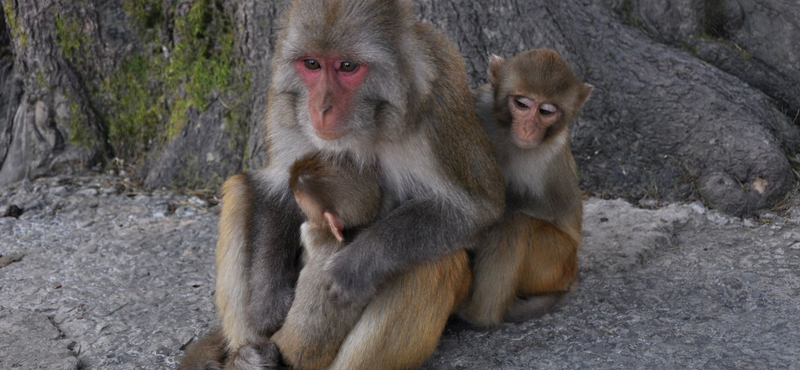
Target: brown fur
[(398, 329), (337, 185), (230, 292), (526, 258), (528, 262), (207, 354), (401, 327)]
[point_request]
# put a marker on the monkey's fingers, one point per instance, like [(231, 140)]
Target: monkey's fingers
[(348, 282)]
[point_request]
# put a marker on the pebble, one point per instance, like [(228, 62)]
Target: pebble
[(698, 207), (185, 211), (718, 218), (794, 216), (88, 248), (59, 191), (160, 209), (769, 215), (109, 190), (197, 201), (749, 277), (87, 192), (649, 203)]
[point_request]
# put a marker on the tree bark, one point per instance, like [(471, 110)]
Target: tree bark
[(694, 99)]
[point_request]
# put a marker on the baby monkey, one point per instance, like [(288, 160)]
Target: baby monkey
[(339, 197), (529, 260), (336, 195)]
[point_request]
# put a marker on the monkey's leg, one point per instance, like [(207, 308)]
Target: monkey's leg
[(401, 327), (257, 264), (208, 353), (550, 268), (496, 270), (315, 327)]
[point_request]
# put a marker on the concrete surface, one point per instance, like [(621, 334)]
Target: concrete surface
[(95, 275)]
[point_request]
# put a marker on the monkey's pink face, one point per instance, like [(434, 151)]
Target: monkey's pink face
[(531, 117), (331, 83)]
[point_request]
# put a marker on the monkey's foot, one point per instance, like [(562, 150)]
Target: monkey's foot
[(261, 357)]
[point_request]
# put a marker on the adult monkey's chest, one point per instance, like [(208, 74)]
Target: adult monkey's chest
[(409, 169)]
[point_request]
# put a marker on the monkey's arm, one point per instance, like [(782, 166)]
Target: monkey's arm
[(257, 258), (561, 196), (419, 230)]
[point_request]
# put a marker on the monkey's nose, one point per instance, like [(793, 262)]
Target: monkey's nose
[(324, 108)]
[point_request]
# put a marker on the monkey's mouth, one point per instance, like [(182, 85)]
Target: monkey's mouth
[(331, 134), (526, 144), (527, 137)]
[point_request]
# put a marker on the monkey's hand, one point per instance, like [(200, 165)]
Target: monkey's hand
[(349, 278), (418, 231), (257, 357)]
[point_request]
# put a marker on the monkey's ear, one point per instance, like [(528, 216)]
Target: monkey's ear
[(586, 90), (336, 225), (495, 63)]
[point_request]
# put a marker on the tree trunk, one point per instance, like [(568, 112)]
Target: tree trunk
[(694, 99)]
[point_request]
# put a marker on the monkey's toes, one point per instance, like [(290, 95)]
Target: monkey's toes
[(263, 357)]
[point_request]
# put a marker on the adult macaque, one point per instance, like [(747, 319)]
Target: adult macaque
[(529, 261), (339, 198), (359, 77)]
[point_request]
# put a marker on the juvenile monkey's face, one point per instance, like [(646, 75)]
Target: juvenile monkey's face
[(531, 116), (536, 95)]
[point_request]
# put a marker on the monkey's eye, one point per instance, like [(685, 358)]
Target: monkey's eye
[(547, 109), (348, 66), (311, 64), (522, 102)]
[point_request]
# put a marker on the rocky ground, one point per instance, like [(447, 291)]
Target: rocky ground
[(97, 275)]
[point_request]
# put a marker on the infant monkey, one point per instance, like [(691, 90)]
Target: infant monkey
[(336, 195), (339, 197)]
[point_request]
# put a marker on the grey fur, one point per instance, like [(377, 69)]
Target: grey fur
[(412, 116), (437, 212)]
